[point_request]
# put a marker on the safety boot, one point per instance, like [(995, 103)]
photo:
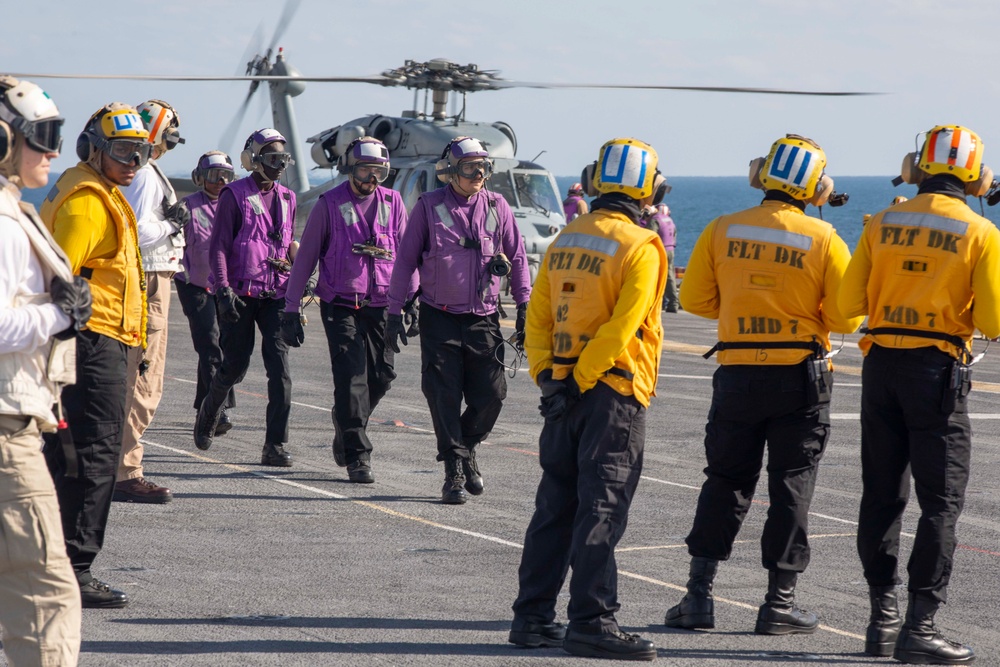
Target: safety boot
[(696, 609), (473, 478), (274, 454), (204, 425), (225, 424), (920, 642), (883, 626), (453, 491), (360, 472), (779, 615)]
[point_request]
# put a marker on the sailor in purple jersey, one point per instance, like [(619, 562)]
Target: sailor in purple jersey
[(575, 205), (352, 233), (459, 239), (659, 221), (195, 284), (248, 254)]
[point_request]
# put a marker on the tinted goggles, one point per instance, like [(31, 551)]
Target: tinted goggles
[(366, 172), (45, 136), (128, 152), (275, 160), (475, 169), (218, 175)]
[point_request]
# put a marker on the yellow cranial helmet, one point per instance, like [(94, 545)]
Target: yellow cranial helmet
[(120, 123), (795, 166), (952, 149), (627, 166)]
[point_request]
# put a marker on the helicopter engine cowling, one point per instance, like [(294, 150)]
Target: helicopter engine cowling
[(324, 147)]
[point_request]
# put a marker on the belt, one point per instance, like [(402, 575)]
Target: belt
[(957, 341), (614, 370), (812, 346)]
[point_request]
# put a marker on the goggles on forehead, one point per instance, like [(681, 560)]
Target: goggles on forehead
[(45, 136), (220, 175), (364, 172), (474, 168), (127, 151), (275, 160)]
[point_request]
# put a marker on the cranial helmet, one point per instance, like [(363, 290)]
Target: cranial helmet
[(111, 123), (209, 161), (953, 150), (457, 150), (361, 150), (26, 111), (162, 121), (256, 141), (796, 167), (627, 166), (576, 189)]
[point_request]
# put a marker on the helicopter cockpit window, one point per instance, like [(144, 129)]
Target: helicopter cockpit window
[(500, 182), (535, 191), (415, 186)]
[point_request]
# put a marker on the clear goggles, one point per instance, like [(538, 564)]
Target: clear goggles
[(128, 152), (275, 160), (45, 136), (219, 175), (366, 171), (474, 169)]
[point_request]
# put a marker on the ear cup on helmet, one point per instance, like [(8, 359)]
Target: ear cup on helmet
[(756, 165), (196, 179), (587, 179), (660, 187), (910, 172), (982, 185), (83, 145), (443, 170), (6, 142), (246, 159), (824, 188)]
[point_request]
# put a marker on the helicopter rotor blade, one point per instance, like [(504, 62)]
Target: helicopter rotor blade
[(254, 47), (502, 83), (375, 78), (291, 6), (229, 134)]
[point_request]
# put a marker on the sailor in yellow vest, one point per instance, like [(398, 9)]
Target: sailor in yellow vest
[(90, 218), (770, 275), (925, 272), (593, 340), (41, 305)]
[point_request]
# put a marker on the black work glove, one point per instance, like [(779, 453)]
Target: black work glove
[(74, 299), (291, 328), (228, 304), (395, 332), (558, 396), (178, 215), (410, 321), (522, 314)]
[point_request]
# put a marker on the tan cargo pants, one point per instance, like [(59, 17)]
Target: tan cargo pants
[(143, 393), (39, 594)]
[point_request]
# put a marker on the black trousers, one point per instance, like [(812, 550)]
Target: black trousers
[(591, 461), (362, 371), (199, 308), (237, 345), (904, 431), (94, 407), (459, 354), (753, 407)]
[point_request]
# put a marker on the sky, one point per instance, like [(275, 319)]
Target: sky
[(933, 61)]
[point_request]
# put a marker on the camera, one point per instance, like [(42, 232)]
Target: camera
[(838, 199), (993, 196), (499, 265)]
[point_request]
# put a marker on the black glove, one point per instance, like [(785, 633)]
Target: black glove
[(558, 396), (410, 321), (395, 332), (291, 328), (228, 304), (74, 299), (522, 314), (178, 215)]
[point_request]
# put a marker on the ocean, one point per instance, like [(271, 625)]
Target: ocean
[(695, 200)]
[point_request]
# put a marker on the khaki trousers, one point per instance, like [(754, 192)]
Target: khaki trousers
[(143, 393), (39, 594)]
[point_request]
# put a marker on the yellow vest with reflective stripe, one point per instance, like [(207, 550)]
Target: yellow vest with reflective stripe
[(117, 284)]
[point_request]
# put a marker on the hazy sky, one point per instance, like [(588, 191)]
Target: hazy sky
[(936, 62)]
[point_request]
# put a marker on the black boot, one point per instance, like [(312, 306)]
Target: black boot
[(920, 643), (453, 493), (225, 424), (779, 615), (274, 454), (696, 609), (883, 626), (205, 424), (473, 478)]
